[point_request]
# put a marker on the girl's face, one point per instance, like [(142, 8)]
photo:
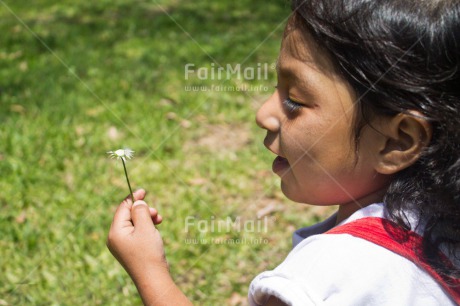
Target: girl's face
[(309, 123)]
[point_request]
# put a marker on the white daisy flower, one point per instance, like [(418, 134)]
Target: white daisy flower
[(121, 154), (124, 154)]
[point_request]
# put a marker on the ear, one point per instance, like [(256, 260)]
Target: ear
[(404, 137)]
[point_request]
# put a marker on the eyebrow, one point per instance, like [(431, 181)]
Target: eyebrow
[(301, 80), (285, 71)]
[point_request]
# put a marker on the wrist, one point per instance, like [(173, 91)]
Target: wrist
[(146, 270), (156, 287)]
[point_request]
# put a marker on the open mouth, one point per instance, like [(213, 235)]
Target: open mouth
[(280, 164)]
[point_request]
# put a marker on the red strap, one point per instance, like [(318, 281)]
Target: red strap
[(402, 242)]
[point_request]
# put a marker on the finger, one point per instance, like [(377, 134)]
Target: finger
[(122, 214), (153, 212), (138, 195), (157, 219), (140, 214)]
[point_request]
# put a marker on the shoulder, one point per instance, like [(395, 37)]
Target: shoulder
[(343, 269)]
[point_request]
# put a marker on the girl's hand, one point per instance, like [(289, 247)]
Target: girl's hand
[(133, 238), (136, 243)]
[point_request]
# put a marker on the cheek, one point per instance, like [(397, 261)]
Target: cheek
[(328, 146)]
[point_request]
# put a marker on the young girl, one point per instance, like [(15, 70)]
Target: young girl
[(366, 114)]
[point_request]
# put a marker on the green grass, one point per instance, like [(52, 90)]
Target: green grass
[(78, 79)]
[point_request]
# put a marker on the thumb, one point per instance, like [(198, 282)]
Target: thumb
[(140, 215)]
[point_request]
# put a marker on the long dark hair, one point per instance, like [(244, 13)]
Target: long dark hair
[(402, 55)]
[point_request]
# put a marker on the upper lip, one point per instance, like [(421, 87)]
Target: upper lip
[(268, 143)]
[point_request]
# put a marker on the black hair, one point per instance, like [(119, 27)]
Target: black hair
[(400, 56)]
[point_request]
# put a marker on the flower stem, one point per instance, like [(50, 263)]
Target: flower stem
[(127, 179)]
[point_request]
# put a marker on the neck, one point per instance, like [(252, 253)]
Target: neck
[(347, 209)]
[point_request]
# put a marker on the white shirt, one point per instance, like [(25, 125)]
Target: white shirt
[(339, 269)]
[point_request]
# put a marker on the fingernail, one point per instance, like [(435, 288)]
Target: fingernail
[(139, 203)]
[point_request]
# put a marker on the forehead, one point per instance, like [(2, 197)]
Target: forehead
[(299, 47)]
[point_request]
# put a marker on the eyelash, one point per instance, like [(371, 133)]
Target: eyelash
[(291, 106)]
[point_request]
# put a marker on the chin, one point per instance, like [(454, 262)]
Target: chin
[(295, 195)]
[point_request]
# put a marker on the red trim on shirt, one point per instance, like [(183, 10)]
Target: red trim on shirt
[(403, 242)]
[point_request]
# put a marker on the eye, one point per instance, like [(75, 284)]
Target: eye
[(291, 106)]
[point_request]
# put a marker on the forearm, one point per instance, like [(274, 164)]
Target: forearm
[(157, 288)]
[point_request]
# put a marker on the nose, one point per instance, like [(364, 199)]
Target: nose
[(267, 116)]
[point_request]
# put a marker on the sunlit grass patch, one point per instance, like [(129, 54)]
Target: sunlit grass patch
[(115, 79)]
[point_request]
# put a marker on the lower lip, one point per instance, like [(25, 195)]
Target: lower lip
[(280, 164)]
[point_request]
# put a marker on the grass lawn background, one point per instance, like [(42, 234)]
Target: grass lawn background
[(78, 79)]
